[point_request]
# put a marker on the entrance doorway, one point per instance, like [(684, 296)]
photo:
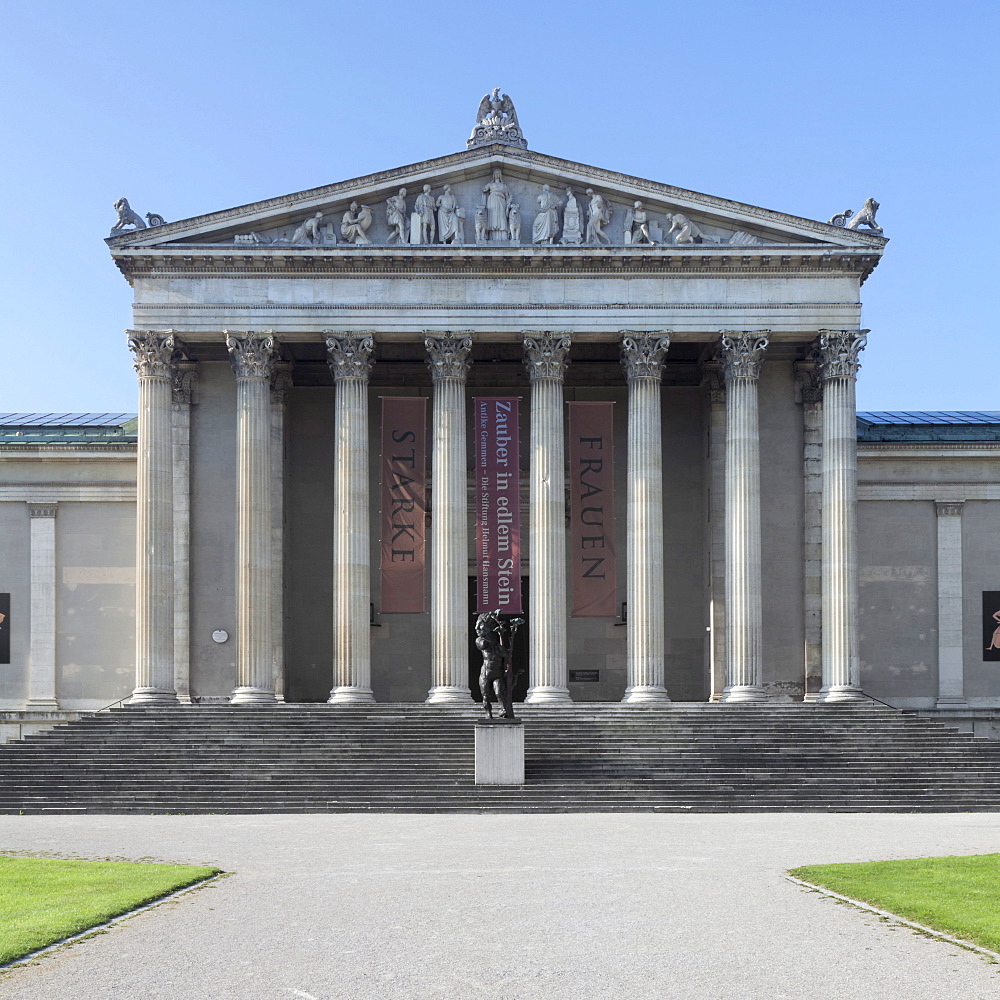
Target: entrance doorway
[(520, 646)]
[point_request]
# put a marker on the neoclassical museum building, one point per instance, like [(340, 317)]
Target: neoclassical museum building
[(621, 411)]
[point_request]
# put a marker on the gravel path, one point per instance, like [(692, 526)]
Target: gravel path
[(466, 907)]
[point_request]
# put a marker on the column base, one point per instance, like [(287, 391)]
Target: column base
[(252, 696), (351, 696), (445, 694), (951, 701), (838, 693), (810, 697), (153, 696), (548, 695), (743, 694), (41, 703), (646, 694)]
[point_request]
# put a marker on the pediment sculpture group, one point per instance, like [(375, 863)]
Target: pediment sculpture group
[(564, 218)]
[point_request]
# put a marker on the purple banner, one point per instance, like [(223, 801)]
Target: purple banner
[(498, 505)]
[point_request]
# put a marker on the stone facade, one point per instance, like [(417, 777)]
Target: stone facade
[(726, 335)]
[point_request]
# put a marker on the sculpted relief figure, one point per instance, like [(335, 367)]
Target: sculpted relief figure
[(514, 222), (424, 207), (498, 202), (308, 232), (126, 217), (686, 231), (637, 225), (482, 214), (447, 216), (599, 217), (546, 226), (866, 217), (395, 215), (356, 222), (572, 233)]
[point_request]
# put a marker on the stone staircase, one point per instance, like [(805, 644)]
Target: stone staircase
[(419, 758)]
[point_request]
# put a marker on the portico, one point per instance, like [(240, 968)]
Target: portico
[(293, 333)]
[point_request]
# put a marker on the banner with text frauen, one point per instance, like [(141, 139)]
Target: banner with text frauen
[(498, 504), (404, 490), (592, 514)]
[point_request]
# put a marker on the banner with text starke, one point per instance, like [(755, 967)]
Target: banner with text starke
[(592, 513), (498, 504), (404, 483)]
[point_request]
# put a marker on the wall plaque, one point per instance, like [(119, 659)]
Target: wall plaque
[(991, 625), (584, 676), (4, 628)]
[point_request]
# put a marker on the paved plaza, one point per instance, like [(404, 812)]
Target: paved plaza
[(674, 907)]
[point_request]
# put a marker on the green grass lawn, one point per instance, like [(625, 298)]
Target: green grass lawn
[(44, 900), (959, 896)]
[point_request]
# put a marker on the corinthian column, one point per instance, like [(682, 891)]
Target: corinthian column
[(642, 359), (350, 360), (281, 385), (252, 357), (185, 378), (154, 565), (545, 357), (741, 356), (837, 364), (449, 359)]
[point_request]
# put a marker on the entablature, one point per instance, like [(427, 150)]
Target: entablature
[(478, 261)]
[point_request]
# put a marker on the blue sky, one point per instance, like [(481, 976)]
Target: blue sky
[(803, 107)]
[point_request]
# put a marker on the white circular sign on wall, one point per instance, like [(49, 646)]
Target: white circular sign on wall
[(220, 635)]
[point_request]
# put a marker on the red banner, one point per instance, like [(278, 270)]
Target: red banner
[(498, 504), (404, 482), (592, 511)]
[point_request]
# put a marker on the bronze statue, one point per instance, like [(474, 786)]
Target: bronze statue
[(495, 640)]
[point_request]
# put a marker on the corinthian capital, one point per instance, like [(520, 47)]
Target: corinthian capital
[(742, 353), (643, 354), (837, 353), (545, 355), (251, 355), (350, 357), (153, 352), (448, 357)]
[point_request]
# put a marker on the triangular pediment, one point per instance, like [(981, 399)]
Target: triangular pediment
[(673, 217)]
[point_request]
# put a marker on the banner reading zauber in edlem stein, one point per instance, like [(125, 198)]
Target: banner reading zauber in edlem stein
[(498, 504)]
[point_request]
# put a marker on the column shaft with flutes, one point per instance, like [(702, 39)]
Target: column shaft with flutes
[(838, 364), (642, 359), (741, 356), (281, 384), (184, 380), (252, 357), (154, 570), (449, 359), (350, 360), (545, 357)]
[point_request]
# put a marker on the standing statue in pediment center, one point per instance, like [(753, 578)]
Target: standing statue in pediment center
[(498, 203)]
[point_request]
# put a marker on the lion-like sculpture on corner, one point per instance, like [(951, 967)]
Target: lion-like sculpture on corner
[(126, 217), (866, 217)]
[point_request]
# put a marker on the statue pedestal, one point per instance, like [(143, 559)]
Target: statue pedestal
[(499, 752)]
